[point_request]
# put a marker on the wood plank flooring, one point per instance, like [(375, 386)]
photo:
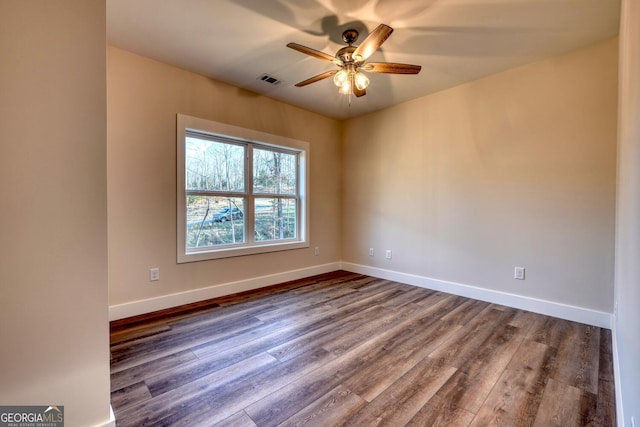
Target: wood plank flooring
[(346, 349)]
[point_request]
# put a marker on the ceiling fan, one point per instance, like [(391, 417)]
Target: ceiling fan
[(351, 61)]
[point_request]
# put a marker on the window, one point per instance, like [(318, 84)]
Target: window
[(240, 192)]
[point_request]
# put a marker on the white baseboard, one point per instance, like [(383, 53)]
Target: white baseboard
[(562, 311), (617, 380), (555, 309), (134, 308), (112, 419)]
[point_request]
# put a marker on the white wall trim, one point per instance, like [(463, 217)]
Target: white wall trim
[(617, 380), (549, 308), (112, 419), (134, 308)]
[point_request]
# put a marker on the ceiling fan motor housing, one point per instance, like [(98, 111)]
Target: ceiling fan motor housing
[(350, 36), (346, 54)]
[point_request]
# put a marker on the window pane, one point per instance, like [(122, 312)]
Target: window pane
[(274, 172), (214, 221), (275, 219), (213, 165)]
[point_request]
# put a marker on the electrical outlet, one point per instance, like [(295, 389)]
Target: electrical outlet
[(518, 273), (154, 274), (316, 250), (371, 252), (387, 254)]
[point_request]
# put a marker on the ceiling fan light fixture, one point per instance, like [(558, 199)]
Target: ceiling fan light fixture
[(361, 80), (348, 78), (341, 77), (345, 88)]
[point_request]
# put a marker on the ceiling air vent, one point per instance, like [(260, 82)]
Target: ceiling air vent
[(270, 79)]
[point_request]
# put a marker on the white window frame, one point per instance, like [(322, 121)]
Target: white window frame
[(188, 124)]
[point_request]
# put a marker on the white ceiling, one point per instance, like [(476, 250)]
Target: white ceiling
[(455, 41)]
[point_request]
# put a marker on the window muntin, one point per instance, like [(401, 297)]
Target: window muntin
[(216, 171), (238, 196)]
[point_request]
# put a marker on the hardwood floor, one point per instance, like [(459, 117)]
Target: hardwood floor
[(347, 349)]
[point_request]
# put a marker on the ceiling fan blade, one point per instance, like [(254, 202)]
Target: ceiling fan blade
[(316, 78), (315, 53), (372, 42), (391, 68)]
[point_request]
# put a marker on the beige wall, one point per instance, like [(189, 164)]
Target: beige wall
[(143, 99), (627, 333), (516, 169), (53, 227)]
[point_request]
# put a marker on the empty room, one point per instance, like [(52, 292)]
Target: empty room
[(250, 213)]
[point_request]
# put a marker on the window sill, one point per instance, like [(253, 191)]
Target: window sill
[(209, 254)]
